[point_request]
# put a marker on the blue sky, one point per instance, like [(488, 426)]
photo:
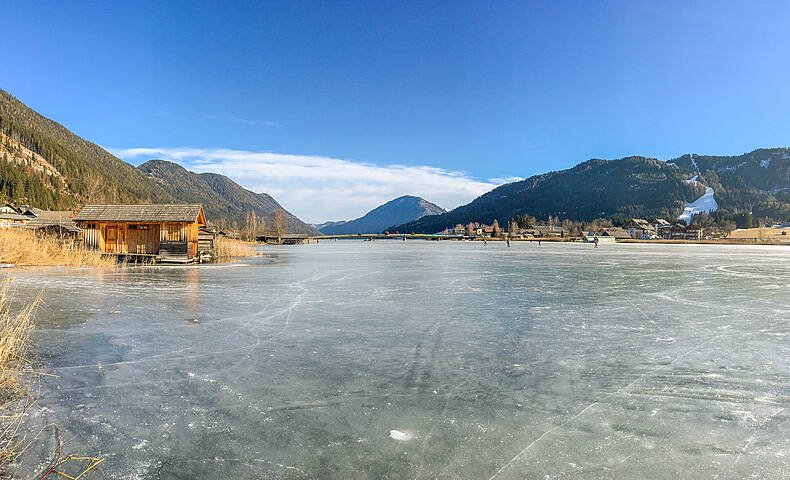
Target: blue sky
[(335, 107)]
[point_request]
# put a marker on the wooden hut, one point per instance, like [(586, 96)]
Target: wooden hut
[(168, 233), (206, 238), (60, 223)]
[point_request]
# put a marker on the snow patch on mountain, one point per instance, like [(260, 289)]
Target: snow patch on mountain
[(706, 203)]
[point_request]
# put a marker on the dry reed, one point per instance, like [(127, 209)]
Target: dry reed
[(16, 375), (24, 247), (229, 248)]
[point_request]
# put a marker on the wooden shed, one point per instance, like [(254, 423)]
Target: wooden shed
[(206, 238), (168, 233)]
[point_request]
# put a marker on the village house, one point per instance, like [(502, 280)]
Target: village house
[(640, 229), (675, 232), (471, 228), (12, 217), (167, 233), (694, 232), (597, 237), (544, 231), (616, 233), (459, 229), (658, 224)]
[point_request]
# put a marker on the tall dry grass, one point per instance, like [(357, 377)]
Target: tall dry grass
[(24, 247), (16, 375), (229, 248)]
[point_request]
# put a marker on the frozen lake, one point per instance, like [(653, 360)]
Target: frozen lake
[(425, 360)]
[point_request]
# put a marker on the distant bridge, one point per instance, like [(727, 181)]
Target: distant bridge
[(390, 236)]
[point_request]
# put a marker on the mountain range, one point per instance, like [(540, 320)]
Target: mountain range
[(395, 212), (756, 183), (45, 165), (221, 197)]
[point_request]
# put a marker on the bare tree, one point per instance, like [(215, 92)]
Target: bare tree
[(280, 221), (251, 225), (513, 228), (93, 187)]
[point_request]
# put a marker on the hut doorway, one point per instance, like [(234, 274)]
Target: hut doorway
[(111, 241)]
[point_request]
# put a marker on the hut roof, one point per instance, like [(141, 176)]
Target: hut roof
[(59, 218), (13, 216), (616, 233), (33, 211), (141, 213)]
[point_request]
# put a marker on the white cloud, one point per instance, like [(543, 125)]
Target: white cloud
[(231, 118), (316, 188), (502, 181)]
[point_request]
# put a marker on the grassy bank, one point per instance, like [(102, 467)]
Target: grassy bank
[(718, 241), (16, 376), (24, 247), (229, 248)]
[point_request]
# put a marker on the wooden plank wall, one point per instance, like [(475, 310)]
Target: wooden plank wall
[(142, 241)]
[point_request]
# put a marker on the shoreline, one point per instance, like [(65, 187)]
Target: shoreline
[(657, 241)]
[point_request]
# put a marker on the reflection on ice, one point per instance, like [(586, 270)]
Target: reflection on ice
[(424, 360)]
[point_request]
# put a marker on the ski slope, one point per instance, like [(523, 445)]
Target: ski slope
[(706, 203)]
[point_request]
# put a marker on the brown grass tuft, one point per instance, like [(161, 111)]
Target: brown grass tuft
[(24, 247), (229, 248), (16, 375)]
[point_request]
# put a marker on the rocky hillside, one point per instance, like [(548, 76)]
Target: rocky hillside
[(44, 165), (395, 212), (221, 197)]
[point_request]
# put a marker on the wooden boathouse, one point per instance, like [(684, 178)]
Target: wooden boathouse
[(166, 233)]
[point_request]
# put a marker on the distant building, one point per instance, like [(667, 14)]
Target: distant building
[(12, 217), (640, 229), (544, 231), (694, 232), (676, 232), (592, 237), (616, 233), (658, 224), (57, 222)]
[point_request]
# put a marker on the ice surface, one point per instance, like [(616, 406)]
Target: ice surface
[(558, 361)]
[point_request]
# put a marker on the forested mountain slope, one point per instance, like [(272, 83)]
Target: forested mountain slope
[(221, 197), (755, 183), (633, 186), (44, 164)]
